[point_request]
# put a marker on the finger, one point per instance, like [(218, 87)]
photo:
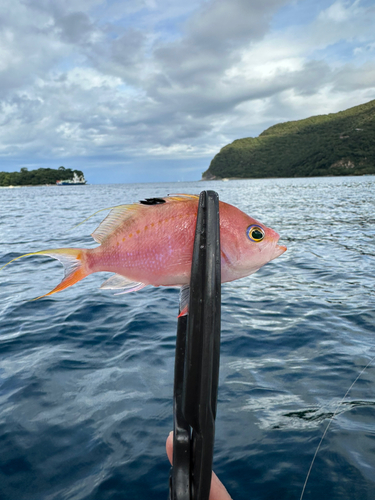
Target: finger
[(218, 490), (169, 447)]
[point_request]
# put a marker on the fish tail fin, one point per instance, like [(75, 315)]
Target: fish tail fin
[(74, 267), (16, 258)]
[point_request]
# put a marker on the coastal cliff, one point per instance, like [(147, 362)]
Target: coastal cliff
[(325, 145)]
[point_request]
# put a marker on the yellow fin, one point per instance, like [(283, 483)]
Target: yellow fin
[(181, 197), (71, 260), (120, 213), (20, 257), (114, 220), (169, 198), (92, 215)]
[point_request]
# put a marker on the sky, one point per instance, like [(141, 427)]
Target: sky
[(151, 90)]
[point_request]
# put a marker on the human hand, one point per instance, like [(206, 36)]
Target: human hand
[(218, 490)]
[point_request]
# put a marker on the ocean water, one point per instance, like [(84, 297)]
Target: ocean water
[(86, 376)]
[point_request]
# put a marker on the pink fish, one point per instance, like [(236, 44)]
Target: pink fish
[(151, 243)]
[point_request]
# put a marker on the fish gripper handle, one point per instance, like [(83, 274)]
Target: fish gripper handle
[(197, 362)]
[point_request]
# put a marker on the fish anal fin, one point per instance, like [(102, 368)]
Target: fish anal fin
[(134, 286), (116, 281), (119, 282)]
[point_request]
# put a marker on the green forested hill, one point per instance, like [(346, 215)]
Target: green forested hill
[(334, 144), (37, 177)]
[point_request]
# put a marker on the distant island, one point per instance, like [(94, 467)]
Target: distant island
[(335, 144), (38, 177)]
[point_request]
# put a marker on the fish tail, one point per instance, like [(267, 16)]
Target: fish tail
[(74, 268), (73, 262)]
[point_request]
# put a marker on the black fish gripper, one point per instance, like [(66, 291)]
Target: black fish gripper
[(197, 362)]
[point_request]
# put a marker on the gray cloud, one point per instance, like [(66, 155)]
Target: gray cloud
[(213, 39), (74, 27), (220, 25), (351, 77)]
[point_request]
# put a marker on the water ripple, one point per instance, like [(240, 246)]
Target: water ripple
[(86, 376)]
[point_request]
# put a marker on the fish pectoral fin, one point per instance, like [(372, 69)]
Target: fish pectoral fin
[(184, 300), (119, 282)]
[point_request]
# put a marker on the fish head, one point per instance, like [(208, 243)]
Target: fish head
[(247, 245)]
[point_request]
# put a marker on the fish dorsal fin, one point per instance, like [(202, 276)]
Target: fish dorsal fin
[(92, 215), (122, 212), (181, 197), (169, 199), (114, 220)]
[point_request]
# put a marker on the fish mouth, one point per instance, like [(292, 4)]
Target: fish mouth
[(280, 249)]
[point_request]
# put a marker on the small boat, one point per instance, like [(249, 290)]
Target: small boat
[(78, 180)]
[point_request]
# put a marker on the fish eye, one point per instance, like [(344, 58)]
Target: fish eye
[(255, 233)]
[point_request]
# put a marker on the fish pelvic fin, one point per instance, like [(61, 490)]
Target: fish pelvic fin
[(184, 300), (71, 258)]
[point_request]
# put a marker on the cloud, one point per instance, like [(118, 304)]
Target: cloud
[(74, 27), (339, 12), (350, 78), (140, 81)]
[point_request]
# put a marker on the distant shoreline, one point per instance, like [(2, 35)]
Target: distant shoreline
[(40, 177), (223, 179), (35, 185)]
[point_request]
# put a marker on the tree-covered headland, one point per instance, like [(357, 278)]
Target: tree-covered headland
[(334, 144), (40, 176)]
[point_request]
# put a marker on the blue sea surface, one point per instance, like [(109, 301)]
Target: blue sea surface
[(86, 376)]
